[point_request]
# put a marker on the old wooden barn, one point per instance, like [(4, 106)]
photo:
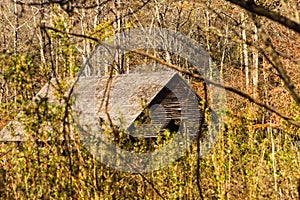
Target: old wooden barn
[(143, 104)]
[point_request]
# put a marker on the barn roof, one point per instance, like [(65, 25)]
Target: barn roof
[(129, 94), (14, 131)]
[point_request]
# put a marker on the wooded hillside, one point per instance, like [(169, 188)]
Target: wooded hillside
[(254, 44)]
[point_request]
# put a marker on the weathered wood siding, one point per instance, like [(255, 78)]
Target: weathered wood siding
[(176, 102)]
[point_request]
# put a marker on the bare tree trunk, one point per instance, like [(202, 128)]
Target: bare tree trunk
[(120, 57), (96, 18), (245, 51), (207, 25), (41, 34), (85, 47), (255, 63), (224, 51), (15, 28), (16, 37)]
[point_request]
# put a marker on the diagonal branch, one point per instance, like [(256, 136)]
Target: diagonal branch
[(262, 11), (220, 85), (277, 64)]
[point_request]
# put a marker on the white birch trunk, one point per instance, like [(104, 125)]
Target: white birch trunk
[(255, 64), (245, 51)]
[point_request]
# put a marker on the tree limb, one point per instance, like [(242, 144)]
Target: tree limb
[(277, 64), (262, 11), (219, 85)]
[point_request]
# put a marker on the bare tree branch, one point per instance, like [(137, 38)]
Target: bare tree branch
[(277, 64), (262, 11), (61, 3), (220, 85), (198, 136)]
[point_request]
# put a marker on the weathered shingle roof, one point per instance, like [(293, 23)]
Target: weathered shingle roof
[(129, 95)]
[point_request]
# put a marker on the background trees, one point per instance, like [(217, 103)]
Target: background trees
[(257, 155)]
